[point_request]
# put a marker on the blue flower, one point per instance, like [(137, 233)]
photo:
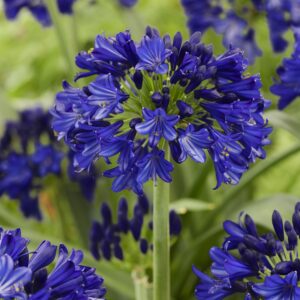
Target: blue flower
[(95, 141), (227, 157), (236, 33), (105, 96), (234, 28), (210, 288), (276, 287), (108, 236), (157, 125), (38, 9), (208, 12), (157, 94), (154, 165), (152, 54), (231, 22), (288, 86), (128, 3), (12, 279), (193, 142), (30, 152), (255, 264), (31, 275), (65, 6), (47, 160), (75, 104), (16, 175), (278, 23)]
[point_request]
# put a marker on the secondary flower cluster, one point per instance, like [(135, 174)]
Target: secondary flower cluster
[(38, 276), (107, 237), (233, 20), (158, 95), (28, 153), (288, 86), (38, 9), (128, 3), (21, 167), (255, 265)]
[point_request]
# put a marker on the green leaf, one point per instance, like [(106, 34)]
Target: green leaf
[(283, 120), (184, 205)]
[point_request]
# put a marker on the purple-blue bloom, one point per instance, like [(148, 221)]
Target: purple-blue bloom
[(288, 85), (276, 287), (65, 6), (12, 279), (157, 124), (233, 21), (152, 55), (157, 94), (29, 153), (128, 3), (234, 28), (47, 160), (38, 9), (42, 274), (206, 9), (255, 265), (106, 237)]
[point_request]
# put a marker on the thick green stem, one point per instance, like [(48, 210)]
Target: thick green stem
[(51, 5), (161, 239)]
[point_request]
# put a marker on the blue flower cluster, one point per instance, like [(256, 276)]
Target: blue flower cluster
[(158, 95), (288, 86), (123, 3), (281, 16), (233, 20), (35, 275), (28, 153), (107, 237), (258, 266), (128, 3), (21, 169), (38, 9)]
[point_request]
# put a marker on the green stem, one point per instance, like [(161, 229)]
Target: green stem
[(161, 239), (142, 288), (75, 33), (51, 5)]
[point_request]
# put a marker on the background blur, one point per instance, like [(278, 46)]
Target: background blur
[(31, 71)]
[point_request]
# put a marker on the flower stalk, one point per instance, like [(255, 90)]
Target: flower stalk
[(61, 36), (161, 239), (142, 288)]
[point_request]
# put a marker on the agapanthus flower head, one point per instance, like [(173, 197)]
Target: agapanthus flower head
[(49, 272), (227, 20), (288, 86), (128, 3), (255, 265), (38, 9), (233, 20), (209, 11), (109, 237), (28, 153), (161, 95)]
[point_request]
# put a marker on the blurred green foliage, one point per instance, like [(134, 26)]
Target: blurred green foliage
[(31, 71)]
